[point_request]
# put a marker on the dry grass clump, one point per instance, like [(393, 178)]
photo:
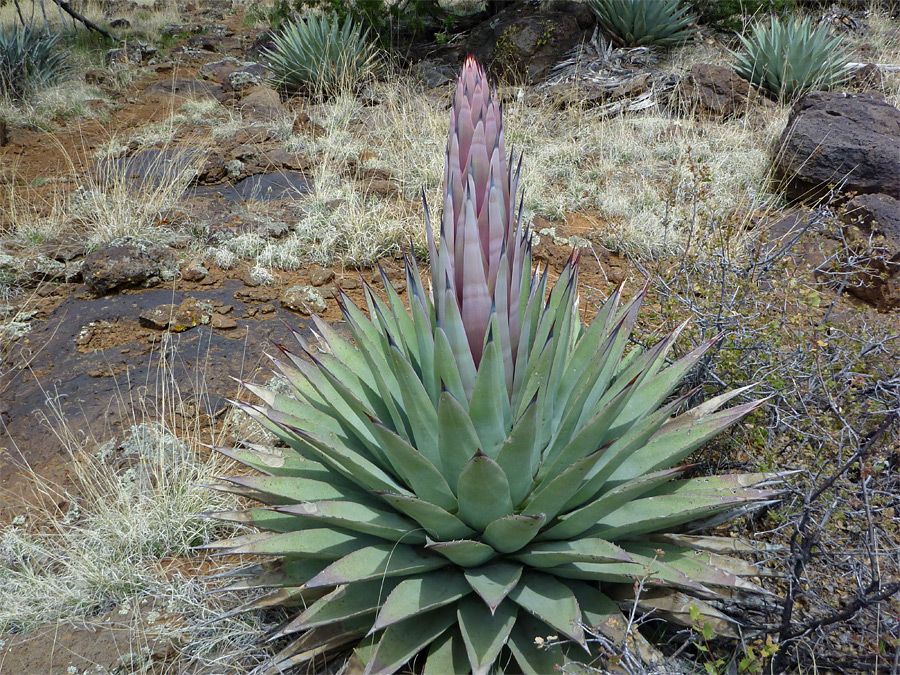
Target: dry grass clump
[(118, 527), (48, 107), (121, 534), (340, 224), (117, 198), (146, 17), (639, 172), (635, 170)]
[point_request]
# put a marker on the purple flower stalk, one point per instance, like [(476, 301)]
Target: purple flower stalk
[(484, 250)]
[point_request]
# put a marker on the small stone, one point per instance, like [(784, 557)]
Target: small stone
[(234, 168), (158, 317), (115, 57), (304, 299), (194, 271), (111, 268), (222, 322), (240, 80), (382, 188), (190, 313), (304, 126), (219, 70), (213, 170), (262, 103), (319, 276), (99, 78), (329, 291), (255, 294)]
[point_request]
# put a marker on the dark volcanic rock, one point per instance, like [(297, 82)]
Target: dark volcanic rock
[(190, 313), (266, 187), (526, 46), (99, 364), (873, 230), (118, 266), (833, 138), (217, 71), (151, 167), (262, 103), (319, 276), (304, 299)]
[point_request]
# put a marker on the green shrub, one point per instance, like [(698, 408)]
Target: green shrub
[(787, 57), (321, 55), (29, 60), (634, 23)]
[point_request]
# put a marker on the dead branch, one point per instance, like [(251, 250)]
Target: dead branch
[(67, 8)]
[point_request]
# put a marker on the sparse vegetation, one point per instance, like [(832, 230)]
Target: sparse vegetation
[(662, 196)]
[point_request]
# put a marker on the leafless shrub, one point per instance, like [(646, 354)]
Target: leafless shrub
[(831, 368)]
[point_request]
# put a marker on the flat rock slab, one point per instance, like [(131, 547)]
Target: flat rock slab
[(92, 361), (267, 187), (148, 168)]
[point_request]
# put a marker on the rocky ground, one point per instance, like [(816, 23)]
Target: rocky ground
[(88, 323)]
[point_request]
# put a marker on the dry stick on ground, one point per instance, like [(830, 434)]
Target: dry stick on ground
[(804, 541), (67, 8)]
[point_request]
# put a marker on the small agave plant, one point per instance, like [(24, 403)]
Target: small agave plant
[(788, 57), (638, 23), (481, 469)]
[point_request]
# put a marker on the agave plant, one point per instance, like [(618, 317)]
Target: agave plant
[(321, 55), (481, 469), (789, 57), (636, 23), (28, 60)]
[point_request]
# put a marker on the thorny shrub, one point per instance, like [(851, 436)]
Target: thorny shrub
[(831, 367)]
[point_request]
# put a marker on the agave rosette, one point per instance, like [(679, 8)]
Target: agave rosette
[(320, 54), (458, 479), (789, 57), (637, 23)]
